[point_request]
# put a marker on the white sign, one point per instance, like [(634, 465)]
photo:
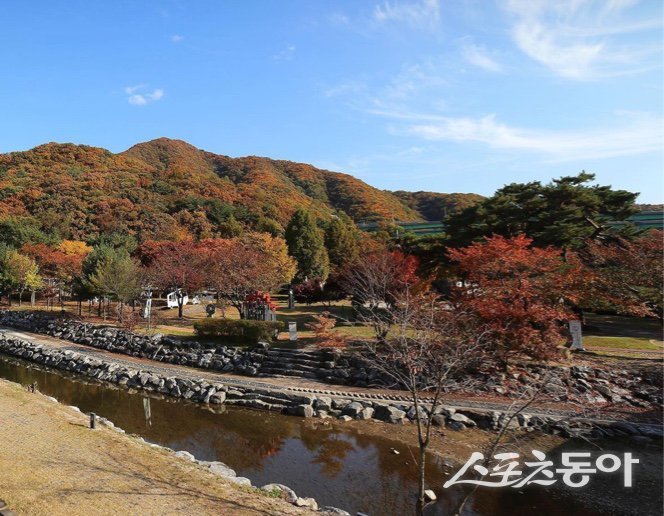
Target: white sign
[(292, 331), (508, 470), (577, 337)]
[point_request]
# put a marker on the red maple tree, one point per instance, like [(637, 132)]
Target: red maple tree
[(519, 292)]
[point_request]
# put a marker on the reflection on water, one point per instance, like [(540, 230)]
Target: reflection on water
[(339, 467)]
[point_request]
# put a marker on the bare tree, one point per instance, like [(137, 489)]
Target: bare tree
[(428, 351)]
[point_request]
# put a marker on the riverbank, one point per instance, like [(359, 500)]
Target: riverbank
[(52, 463), (214, 388)]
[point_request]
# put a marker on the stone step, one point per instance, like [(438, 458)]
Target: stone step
[(270, 371), (294, 359), (290, 365), (297, 353)]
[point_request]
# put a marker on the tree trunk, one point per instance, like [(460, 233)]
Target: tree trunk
[(20, 297), (180, 307), (32, 298), (419, 511)]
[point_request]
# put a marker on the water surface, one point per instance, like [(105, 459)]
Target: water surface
[(341, 467)]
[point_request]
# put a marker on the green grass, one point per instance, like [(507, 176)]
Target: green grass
[(626, 343)]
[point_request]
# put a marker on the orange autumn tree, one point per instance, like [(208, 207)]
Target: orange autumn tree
[(239, 267), (62, 264), (520, 292)]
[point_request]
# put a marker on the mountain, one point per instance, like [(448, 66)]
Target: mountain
[(436, 206), (168, 188)]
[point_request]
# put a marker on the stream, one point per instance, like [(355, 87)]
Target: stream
[(341, 467)]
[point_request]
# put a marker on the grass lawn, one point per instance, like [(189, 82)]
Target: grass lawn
[(626, 343)]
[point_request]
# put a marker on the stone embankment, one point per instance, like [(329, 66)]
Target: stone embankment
[(588, 386), (306, 402)]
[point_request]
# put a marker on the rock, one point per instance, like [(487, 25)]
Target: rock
[(302, 411), (604, 391), (307, 502), (241, 481), (285, 492), (438, 420), (389, 414), (345, 418), (185, 455), (218, 398), (323, 403), (411, 414), (430, 496), (394, 451), (456, 426), (460, 418), (353, 409), (366, 413), (219, 468)]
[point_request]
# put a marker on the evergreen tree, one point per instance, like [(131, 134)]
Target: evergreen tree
[(305, 244), (341, 240), (563, 213)]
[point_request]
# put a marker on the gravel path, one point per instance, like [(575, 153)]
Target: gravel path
[(301, 385)]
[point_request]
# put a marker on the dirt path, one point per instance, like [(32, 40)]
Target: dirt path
[(295, 384), (52, 463)]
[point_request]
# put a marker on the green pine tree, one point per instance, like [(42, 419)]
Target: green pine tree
[(305, 244), (341, 240)]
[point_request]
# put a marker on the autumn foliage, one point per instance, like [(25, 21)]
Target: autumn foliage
[(520, 292)]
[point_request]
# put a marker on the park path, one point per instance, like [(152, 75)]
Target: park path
[(298, 385), (53, 464)]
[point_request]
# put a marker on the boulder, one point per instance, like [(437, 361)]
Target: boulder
[(307, 502), (460, 418), (185, 455), (303, 411), (438, 420), (353, 409), (412, 413), (389, 414), (241, 481), (366, 413), (219, 468), (218, 398), (285, 492), (323, 403)]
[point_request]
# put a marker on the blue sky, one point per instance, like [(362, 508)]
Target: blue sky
[(442, 95)]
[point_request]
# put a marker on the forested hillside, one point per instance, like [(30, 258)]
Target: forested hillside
[(436, 206), (168, 189)]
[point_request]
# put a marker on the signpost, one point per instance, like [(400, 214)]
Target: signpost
[(577, 336)]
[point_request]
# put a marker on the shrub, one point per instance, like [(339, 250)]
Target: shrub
[(243, 329)]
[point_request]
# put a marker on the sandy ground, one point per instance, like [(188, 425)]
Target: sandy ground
[(52, 463)]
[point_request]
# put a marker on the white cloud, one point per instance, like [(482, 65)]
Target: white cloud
[(478, 56), (176, 38), (580, 39), (338, 19), (349, 87), (420, 14), (637, 134), (286, 54), (139, 95)]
